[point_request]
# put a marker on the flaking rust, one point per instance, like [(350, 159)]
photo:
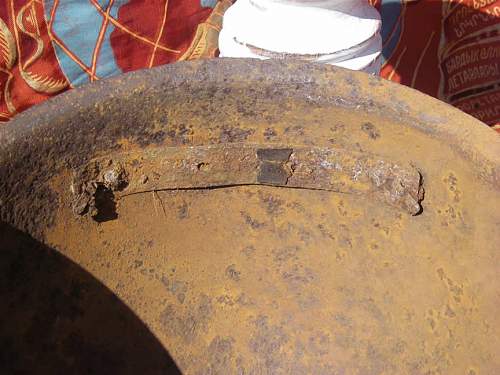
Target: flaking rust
[(239, 164), (357, 173), (94, 185), (284, 275)]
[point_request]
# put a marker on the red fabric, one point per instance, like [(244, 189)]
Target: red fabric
[(450, 50), (17, 48), (145, 33), (179, 24), (415, 61)]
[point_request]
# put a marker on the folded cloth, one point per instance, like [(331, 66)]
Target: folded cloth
[(337, 32), (49, 46), (446, 49)]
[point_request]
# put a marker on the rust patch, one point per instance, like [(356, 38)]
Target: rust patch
[(267, 344), (187, 325), (357, 256), (246, 164), (93, 189), (232, 273), (219, 357), (371, 130)]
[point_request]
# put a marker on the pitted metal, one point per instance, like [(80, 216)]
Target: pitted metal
[(237, 216)]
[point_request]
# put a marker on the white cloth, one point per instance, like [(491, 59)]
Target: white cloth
[(339, 32)]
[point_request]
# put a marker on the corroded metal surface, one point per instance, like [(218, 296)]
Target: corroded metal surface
[(238, 210), (239, 164)]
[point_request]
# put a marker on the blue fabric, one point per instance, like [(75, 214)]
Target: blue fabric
[(390, 11), (77, 25)]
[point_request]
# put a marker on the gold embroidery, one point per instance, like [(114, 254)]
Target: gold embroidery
[(38, 40), (164, 20), (45, 84), (198, 45), (6, 94), (7, 46), (37, 82), (126, 29), (206, 39)]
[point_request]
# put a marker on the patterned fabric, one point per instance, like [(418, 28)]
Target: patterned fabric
[(49, 46), (447, 49)]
